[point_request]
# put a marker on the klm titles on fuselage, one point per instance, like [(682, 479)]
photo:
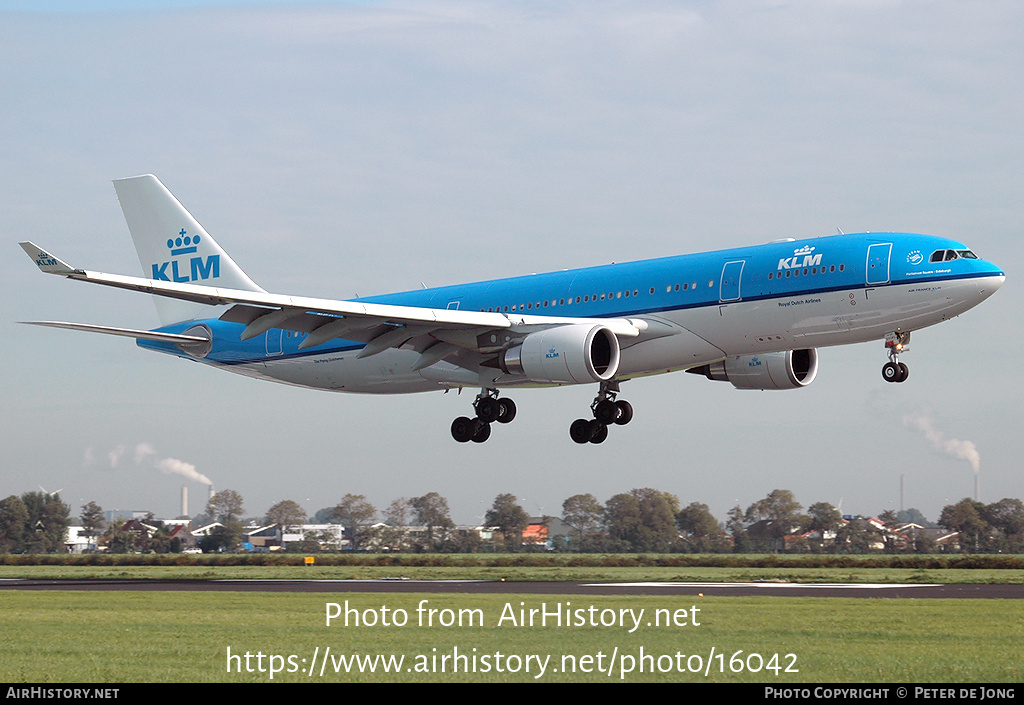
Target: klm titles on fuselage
[(801, 258), (198, 267)]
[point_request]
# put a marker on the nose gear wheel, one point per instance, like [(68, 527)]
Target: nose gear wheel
[(894, 370)]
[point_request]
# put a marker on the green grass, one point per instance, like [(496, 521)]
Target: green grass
[(123, 637), (795, 573)]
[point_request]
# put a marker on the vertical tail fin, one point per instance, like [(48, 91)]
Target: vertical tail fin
[(173, 246)]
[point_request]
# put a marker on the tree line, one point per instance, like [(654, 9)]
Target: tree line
[(641, 520)]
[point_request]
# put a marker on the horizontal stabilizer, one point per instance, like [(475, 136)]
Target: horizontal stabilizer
[(124, 332)]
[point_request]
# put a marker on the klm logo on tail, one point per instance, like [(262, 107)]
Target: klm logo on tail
[(198, 268)]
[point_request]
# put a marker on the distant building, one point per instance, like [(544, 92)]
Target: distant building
[(113, 515), (544, 530), (75, 540)]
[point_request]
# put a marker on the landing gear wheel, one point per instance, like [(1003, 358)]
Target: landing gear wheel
[(891, 372), (606, 411), (506, 410), (896, 343), (482, 433), (580, 431), (463, 429), (488, 410), (625, 412)]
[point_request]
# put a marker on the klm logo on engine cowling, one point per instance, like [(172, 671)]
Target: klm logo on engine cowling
[(182, 271), (552, 353), (801, 258)]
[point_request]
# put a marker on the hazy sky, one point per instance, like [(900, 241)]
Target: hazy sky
[(337, 149)]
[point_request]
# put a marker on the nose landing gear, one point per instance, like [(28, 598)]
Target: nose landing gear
[(894, 370)]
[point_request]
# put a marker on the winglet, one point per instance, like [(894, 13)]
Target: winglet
[(45, 261)]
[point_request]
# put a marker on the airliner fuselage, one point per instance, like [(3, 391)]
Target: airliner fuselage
[(700, 308)]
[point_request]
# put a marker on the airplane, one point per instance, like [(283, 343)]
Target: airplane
[(751, 316)]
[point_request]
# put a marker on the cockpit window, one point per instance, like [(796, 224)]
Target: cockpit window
[(948, 255)]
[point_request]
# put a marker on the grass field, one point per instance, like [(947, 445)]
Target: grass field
[(128, 637), (796, 573)]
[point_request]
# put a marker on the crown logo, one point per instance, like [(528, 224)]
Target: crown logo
[(805, 250), (183, 244)]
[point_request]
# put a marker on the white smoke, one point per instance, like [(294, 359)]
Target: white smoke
[(955, 448), (115, 456), (173, 466), (146, 455), (143, 451)]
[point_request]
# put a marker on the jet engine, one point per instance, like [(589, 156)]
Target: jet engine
[(569, 354), (782, 370)]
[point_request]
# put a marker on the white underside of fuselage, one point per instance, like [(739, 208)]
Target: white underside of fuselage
[(697, 336)]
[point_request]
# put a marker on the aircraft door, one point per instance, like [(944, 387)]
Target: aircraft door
[(878, 263), (732, 274), (274, 341)]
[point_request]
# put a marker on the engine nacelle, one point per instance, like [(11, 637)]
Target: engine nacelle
[(569, 354), (781, 370)]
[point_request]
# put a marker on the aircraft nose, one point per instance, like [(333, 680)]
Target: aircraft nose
[(990, 284)]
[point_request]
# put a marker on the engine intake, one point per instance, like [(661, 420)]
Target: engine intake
[(569, 354), (782, 370)]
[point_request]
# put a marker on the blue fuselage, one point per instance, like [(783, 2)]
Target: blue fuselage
[(702, 307)]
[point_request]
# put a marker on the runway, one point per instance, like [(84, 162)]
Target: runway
[(776, 589)]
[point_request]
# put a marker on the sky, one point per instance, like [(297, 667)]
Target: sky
[(343, 149)]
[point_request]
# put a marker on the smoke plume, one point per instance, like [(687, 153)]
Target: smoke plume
[(954, 448), (145, 455), (173, 466)]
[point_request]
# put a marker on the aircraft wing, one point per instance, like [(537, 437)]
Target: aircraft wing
[(380, 326)]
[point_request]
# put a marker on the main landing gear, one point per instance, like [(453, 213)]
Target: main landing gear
[(894, 370), (489, 408), (607, 411)]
